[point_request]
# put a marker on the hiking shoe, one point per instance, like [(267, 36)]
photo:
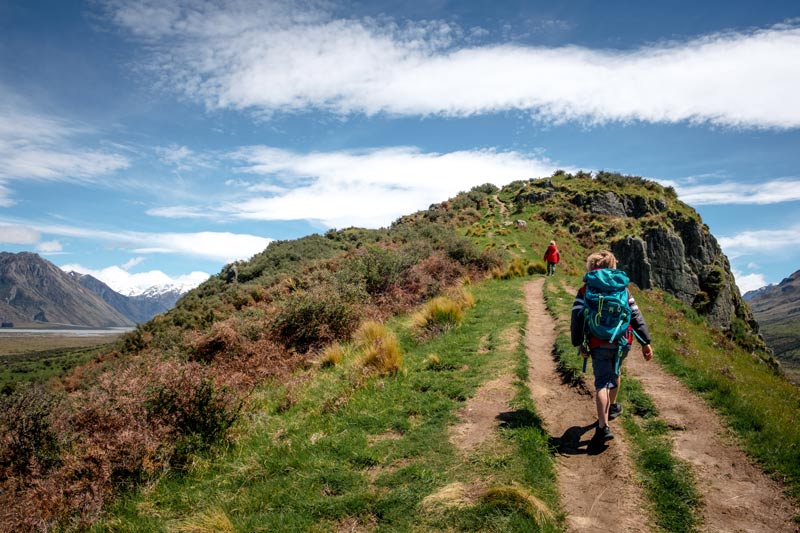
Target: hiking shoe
[(603, 434), (614, 411)]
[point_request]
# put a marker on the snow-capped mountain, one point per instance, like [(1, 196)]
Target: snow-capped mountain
[(139, 305)]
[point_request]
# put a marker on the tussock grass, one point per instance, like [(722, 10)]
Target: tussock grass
[(515, 497), (213, 520), (332, 355), (437, 316), (379, 347)]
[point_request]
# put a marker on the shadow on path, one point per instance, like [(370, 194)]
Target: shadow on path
[(573, 442)]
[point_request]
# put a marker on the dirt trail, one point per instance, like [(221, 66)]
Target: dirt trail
[(598, 488), (737, 495)]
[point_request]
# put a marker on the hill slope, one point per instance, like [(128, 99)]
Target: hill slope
[(331, 426), (33, 290), (777, 309)]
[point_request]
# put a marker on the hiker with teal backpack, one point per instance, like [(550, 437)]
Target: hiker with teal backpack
[(605, 319)]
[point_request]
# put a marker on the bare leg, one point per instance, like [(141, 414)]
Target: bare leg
[(601, 399), (612, 394)]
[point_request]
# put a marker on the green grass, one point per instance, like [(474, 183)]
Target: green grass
[(668, 481), (346, 452), (43, 364)]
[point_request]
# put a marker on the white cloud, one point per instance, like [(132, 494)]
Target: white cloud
[(370, 188), (280, 57), (770, 192), (17, 234), (127, 283), (49, 247), (749, 282), (132, 262), (5, 200), (218, 246), (761, 241), (181, 211)]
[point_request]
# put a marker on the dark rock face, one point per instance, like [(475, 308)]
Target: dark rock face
[(682, 265), (631, 253), (608, 204)]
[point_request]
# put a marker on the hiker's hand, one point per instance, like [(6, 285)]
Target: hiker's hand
[(647, 352)]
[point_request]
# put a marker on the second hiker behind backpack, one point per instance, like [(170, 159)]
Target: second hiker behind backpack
[(605, 319)]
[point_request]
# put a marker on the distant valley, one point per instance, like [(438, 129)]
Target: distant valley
[(35, 292), (777, 309)]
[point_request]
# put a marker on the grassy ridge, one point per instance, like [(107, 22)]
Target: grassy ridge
[(322, 455)]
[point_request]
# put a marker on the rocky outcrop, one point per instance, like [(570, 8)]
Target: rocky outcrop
[(668, 247), (689, 265)]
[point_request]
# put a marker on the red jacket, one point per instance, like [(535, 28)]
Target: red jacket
[(551, 255)]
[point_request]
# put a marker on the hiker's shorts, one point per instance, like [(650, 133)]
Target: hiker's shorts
[(603, 363)]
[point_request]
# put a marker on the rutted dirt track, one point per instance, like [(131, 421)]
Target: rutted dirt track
[(737, 495), (598, 488)]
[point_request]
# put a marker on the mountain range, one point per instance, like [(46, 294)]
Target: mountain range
[(34, 291), (777, 309)]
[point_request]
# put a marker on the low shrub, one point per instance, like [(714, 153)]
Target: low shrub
[(28, 441), (194, 408), (315, 317)]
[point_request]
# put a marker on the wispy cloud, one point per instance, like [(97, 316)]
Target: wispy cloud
[(182, 211), (369, 187), (761, 241), (217, 246), (290, 57), (124, 282), (34, 146), (728, 192)]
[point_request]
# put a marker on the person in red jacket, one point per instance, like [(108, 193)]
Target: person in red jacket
[(551, 257)]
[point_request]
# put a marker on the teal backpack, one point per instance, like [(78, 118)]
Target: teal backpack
[(606, 311)]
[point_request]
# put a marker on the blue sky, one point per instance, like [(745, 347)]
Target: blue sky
[(151, 142)]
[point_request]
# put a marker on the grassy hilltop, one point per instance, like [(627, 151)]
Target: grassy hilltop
[(315, 386)]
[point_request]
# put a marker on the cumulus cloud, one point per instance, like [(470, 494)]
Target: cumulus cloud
[(18, 234), (770, 192), (292, 57), (761, 241), (749, 282), (127, 283), (369, 188)]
